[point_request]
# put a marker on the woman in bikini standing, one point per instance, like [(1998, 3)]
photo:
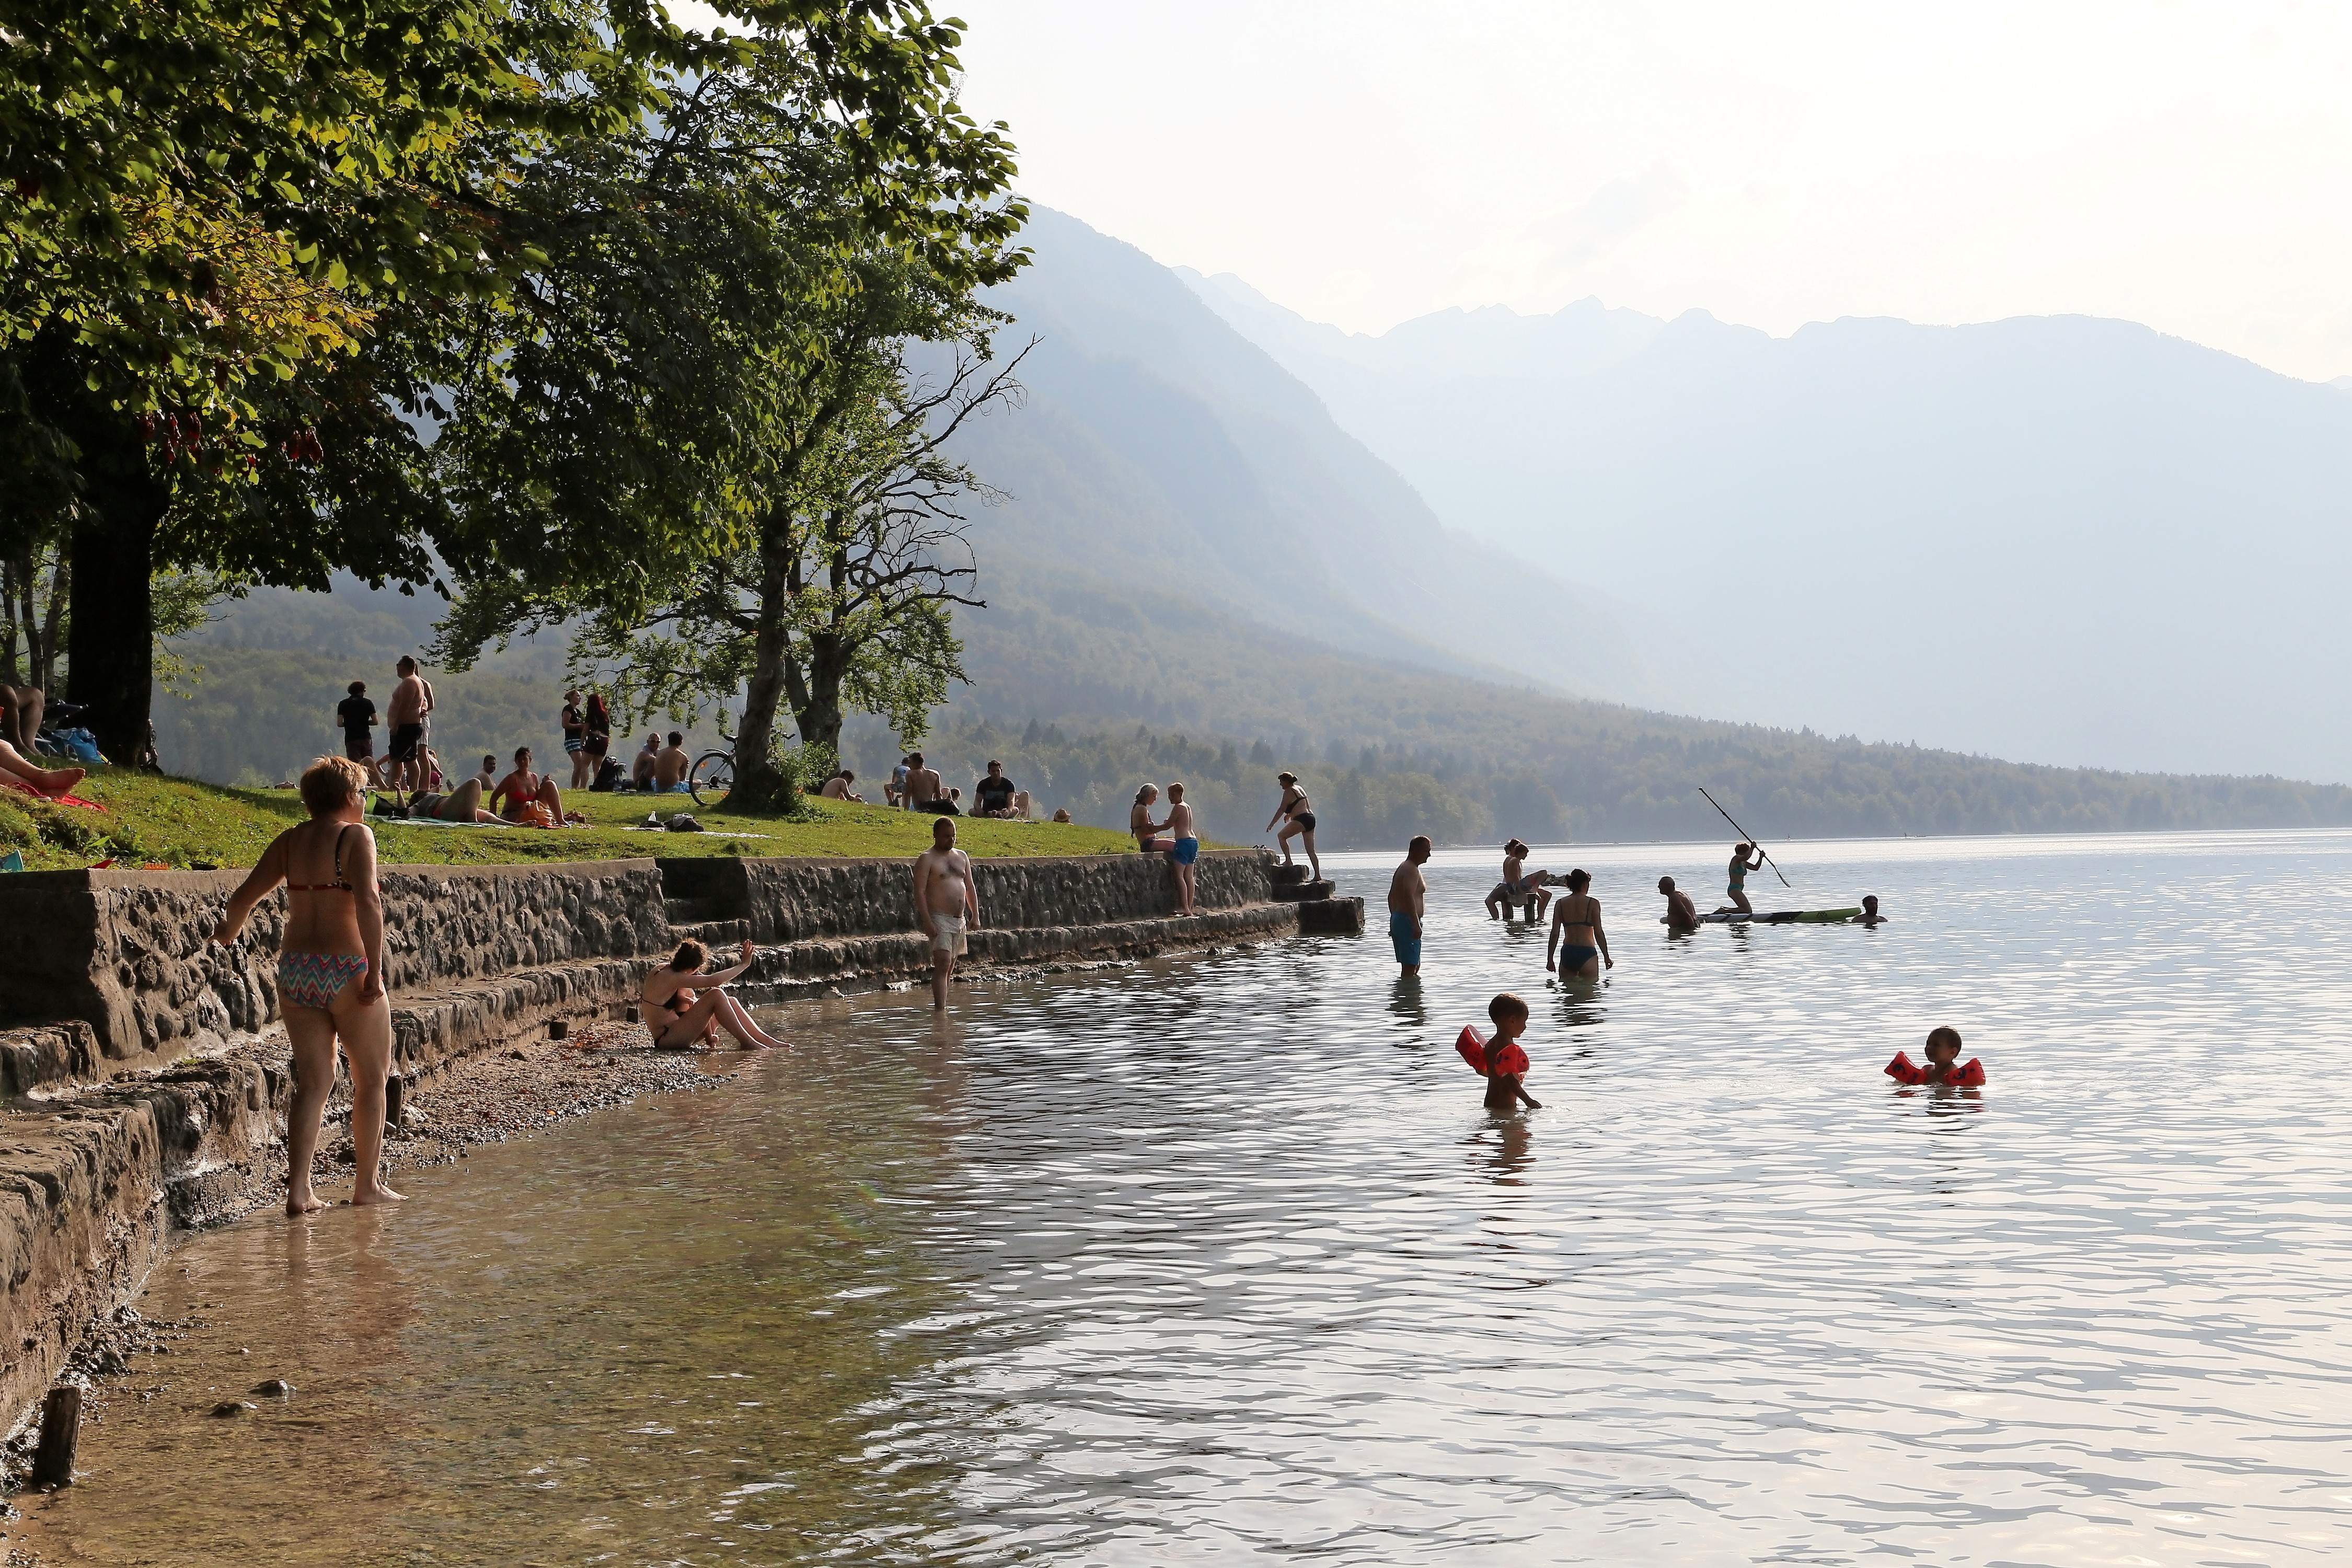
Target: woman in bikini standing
[(1301, 815), (330, 973), (1578, 942), (682, 1004)]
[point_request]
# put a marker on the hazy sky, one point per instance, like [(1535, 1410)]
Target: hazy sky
[(2183, 164)]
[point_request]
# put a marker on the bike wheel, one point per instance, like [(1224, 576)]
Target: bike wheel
[(713, 778)]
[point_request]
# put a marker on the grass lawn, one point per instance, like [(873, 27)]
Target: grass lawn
[(181, 823)]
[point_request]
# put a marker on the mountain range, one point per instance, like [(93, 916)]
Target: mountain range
[(2061, 539)]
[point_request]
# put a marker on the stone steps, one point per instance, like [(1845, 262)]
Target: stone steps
[(718, 936), (1303, 892)]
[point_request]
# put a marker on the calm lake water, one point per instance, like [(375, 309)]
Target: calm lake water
[(1218, 1259)]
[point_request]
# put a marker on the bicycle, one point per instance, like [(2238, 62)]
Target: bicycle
[(712, 778)]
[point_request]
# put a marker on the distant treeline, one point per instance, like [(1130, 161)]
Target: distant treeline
[(1385, 752), (1629, 782)]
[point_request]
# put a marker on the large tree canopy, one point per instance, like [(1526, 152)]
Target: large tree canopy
[(244, 245), (718, 289)]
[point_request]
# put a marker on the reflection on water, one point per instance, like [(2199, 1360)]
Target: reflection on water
[(1223, 1259)]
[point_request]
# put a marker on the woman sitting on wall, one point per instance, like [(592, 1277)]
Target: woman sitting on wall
[(329, 972), (683, 1005), (1149, 838)]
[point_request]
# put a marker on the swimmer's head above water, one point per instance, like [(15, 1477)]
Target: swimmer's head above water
[(1943, 1046)]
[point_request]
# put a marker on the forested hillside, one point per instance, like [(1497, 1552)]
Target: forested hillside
[(1086, 688)]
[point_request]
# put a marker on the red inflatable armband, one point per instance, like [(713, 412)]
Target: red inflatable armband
[(1512, 1063), (1968, 1076), (1901, 1069)]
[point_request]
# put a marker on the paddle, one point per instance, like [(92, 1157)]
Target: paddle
[(1744, 833)]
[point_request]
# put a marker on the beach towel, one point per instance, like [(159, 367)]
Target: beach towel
[(53, 799)]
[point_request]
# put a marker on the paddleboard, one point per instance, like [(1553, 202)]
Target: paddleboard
[(1778, 917)]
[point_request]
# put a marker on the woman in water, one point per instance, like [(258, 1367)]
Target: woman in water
[(1139, 823), (1577, 939), (683, 1004), (330, 973), (1296, 813)]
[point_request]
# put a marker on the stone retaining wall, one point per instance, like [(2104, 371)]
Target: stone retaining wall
[(123, 961)]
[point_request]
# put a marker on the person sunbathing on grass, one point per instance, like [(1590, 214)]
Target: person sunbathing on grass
[(15, 768)]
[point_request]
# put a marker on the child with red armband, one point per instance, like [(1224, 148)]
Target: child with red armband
[(1943, 1059), (1499, 1060)]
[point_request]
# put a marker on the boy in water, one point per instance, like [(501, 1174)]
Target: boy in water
[(1870, 915), (1506, 1064), (1943, 1063)]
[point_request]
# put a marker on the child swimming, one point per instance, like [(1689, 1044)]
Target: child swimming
[(1943, 1049), (1501, 1061)]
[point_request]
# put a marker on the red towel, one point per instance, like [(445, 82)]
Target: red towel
[(52, 799)]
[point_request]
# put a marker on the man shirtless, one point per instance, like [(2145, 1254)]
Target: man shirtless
[(670, 766), (404, 753), (947, 904), (1682, 915), (1408, 895), (924, 791)]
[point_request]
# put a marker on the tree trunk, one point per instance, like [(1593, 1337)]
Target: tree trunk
[(109, 640), (760, 784), (820, 714)]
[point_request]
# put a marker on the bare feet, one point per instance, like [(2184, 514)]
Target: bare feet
[(298, 1204), (60, 781), (379, 1193)]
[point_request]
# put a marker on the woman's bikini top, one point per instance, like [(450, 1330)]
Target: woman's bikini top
[(1294, 801), (1570, 922), (338, 885)]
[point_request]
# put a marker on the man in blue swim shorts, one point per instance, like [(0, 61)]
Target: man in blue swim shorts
[(1408, 897), (1188, 849)]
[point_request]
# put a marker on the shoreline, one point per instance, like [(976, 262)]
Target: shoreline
[(150, 1100)]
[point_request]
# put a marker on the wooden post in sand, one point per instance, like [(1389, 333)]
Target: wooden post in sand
[(53, 1461)]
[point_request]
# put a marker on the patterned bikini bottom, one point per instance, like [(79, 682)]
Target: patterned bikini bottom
[(316, 979)]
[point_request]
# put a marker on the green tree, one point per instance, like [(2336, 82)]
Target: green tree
[(716, 321)]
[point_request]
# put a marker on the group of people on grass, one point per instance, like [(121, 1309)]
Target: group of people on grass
[(915, 786), (411, 772)]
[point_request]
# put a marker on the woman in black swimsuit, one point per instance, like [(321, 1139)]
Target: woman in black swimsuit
[(1300, 813)]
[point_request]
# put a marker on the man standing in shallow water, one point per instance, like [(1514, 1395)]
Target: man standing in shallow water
[(946, 901), (1408, 897)]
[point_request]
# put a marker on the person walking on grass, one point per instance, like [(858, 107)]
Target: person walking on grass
[(1297, 815), (947, 905), (330, 980)]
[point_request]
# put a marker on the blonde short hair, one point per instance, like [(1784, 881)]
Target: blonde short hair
[(330, 784)]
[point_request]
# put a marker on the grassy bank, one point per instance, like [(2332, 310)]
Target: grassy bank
[(182, 823)]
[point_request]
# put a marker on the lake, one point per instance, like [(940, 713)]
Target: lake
[(1218, 1259)]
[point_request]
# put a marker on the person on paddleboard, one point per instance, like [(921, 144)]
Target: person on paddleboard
[(1744, 857)]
